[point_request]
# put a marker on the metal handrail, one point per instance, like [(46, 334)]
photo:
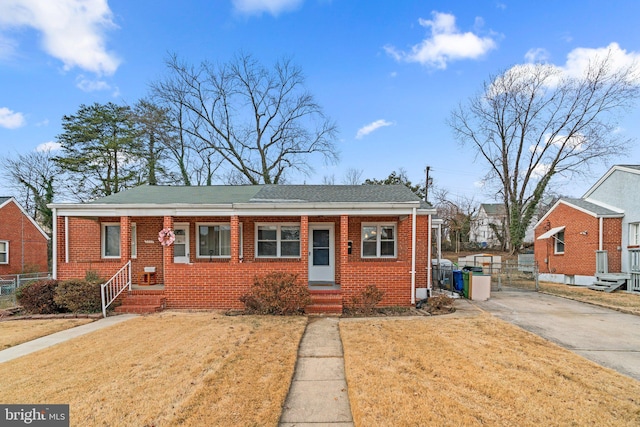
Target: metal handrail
[(119, 282)]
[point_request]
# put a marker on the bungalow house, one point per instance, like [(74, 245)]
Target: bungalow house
[(594, 240), (23, 243), (216, 239)]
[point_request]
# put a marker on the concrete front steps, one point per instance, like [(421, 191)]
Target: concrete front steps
[(325, 302), (142, 302)]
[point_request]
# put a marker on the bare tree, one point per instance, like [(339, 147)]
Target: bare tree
[(261, 123), (352, 176), (32, 176), (457, 215), (533, 122)]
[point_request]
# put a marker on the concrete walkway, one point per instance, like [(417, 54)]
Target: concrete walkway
[(58, 337), (318, 394), (604, 336)]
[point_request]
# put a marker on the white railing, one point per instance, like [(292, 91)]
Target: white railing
[(633, 285), (114, 287)]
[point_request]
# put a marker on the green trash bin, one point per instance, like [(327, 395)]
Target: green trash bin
[(465, 284)]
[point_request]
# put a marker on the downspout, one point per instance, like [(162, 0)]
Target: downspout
[(54, 246), (429, 266), (413, 256), (600, 232)]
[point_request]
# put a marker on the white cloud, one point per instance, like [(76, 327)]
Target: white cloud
[(578, 60), (10, 119), (91, 85), (445, 44), (367, 129), (72, 30), (537, 55), (274, 7), (48, 146)]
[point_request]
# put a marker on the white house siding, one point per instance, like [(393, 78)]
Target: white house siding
[(620, 191)]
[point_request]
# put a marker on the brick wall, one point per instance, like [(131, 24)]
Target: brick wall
[(579, 257), (27, 245), (220, 282)]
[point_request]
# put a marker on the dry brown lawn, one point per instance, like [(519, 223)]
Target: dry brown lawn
[(16, 332), (192, 369), (619, 300), (476, 370)]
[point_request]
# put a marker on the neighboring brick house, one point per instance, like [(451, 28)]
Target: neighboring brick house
[(23, 243), (338, 239), (580, 241)]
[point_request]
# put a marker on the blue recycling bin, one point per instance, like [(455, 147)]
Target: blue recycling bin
[(458, 283)]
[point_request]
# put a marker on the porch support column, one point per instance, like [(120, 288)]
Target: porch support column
[(304, 247), (125, 238), (235, 239), (344, 240), (54, 244), (167, 251), (429, 254)]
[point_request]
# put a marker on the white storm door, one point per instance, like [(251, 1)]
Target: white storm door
[(322, 263), (181, 244)]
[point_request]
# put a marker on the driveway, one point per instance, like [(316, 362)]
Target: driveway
[(607, 337)]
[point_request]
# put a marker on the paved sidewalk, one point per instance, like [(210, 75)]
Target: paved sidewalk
[(53, 339), (318, 393)]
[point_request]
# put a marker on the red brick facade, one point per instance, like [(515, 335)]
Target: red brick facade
[(218, 283), (581, 238), (26, 242)]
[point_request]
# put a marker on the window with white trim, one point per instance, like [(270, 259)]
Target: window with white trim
[(110, 240), (134, 240), (278, 240), (214, 240), (634, 234), (4, 252), (559, 242), (379, 241)]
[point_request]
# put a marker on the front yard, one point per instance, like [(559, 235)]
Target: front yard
[(475, 370), (14, 332), (163, 370)]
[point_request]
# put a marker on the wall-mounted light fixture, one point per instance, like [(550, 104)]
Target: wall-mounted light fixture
[(584, 233)]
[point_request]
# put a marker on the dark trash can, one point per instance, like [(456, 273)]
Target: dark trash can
[(457, 280)]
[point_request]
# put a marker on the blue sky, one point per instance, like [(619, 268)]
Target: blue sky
[(388, 72)]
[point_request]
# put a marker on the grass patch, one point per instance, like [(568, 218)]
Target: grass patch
[(166, 369), (620, 300), (476, 371), (16, 332)]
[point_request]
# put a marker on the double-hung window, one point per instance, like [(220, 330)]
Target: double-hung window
[(278, 240), (4, 252), (214, 240), (634, 234), (110, 240), (379, 241), (559, 242)]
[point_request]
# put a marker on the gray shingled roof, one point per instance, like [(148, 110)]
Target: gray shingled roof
[(163, 195), (3, 199), (494, 208), (591, 207), (229, 194)]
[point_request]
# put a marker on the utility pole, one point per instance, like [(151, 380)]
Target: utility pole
[(426, 186)]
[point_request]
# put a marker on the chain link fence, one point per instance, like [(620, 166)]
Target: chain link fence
[(9, 283), (504, 275)]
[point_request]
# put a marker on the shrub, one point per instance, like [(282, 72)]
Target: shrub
[(39, 297), (79, 296), (366, 302), (276, 293), (440, 302)]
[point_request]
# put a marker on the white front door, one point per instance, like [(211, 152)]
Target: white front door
[(181, 245), (322, 264)]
